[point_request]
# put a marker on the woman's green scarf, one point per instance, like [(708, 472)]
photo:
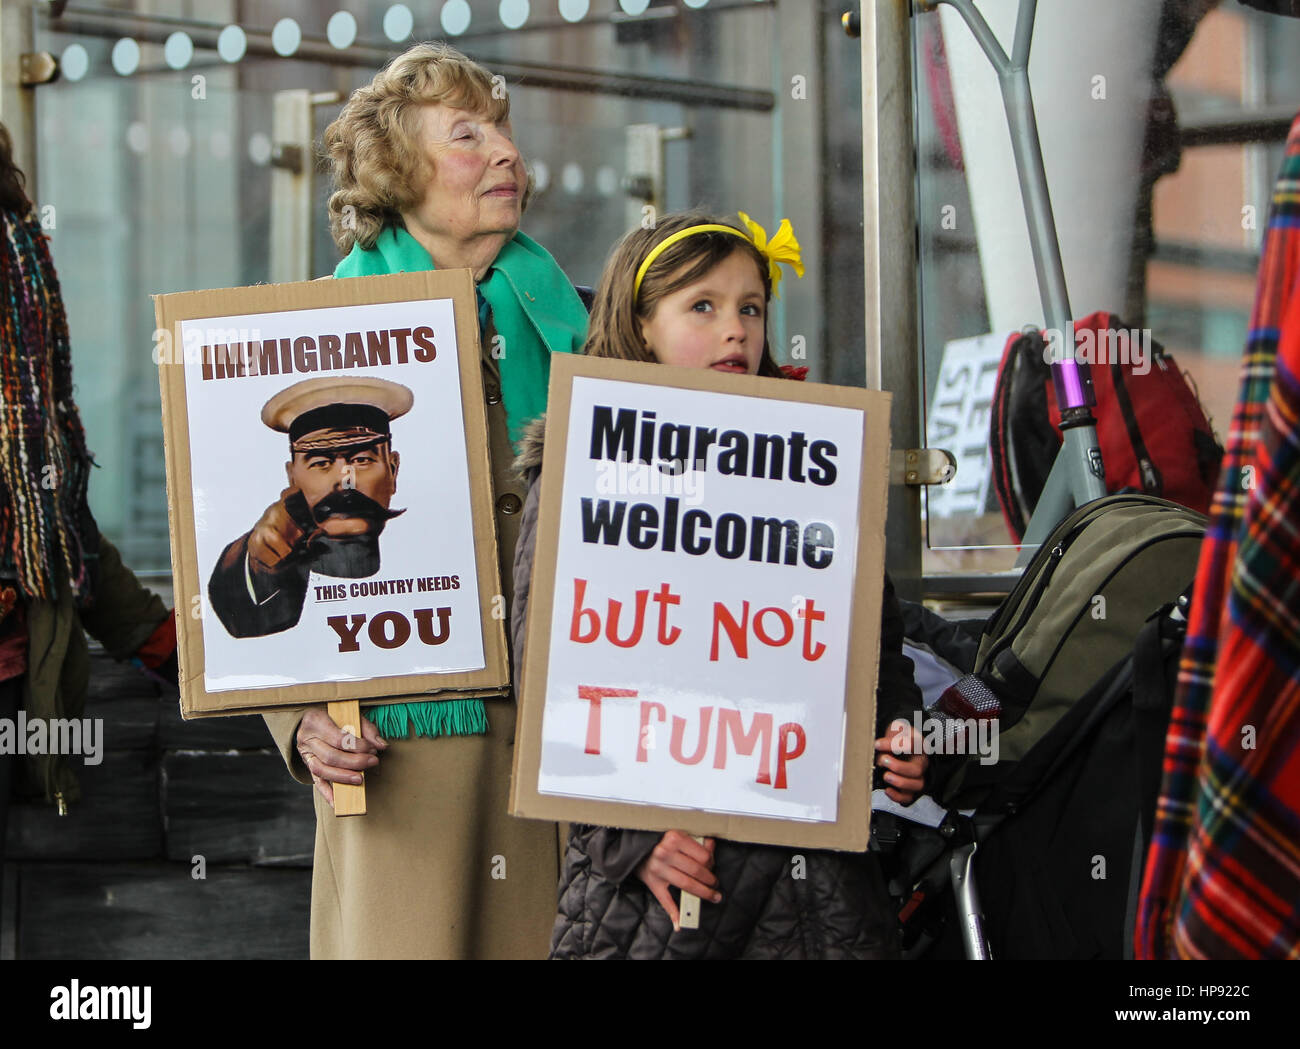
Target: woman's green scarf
[(534, 309), (537, 312)]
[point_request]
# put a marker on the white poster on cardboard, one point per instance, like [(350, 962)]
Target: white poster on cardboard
[(700, 630), (377, 586)]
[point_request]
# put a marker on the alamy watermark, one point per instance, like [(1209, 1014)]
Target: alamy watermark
[(92, 1002), (948, 735), (670, 477), (70, 736), (1128, 346)]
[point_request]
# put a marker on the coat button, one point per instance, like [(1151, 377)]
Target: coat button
[(510, 503), (493, 393)]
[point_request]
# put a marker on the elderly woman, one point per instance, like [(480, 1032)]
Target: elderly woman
[(427, 176)]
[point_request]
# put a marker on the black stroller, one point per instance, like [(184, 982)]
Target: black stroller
[(1044, 855)]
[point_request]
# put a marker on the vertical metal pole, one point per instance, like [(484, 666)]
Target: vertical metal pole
[(645, 172), (291, 187), (645, 181), (1028, 151), (889, 262), (799, 317)]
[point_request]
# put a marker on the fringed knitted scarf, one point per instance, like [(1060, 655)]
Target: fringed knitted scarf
[(46, 529)]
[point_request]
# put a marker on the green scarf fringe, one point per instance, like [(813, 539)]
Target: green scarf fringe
[(448, 717)]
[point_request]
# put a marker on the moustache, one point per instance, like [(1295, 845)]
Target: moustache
[(351, 503)]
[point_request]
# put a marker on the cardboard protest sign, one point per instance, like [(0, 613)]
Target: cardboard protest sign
[(326, 469), (704, 622), (958, 419)]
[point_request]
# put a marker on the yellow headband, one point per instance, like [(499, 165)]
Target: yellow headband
[(782, 248)]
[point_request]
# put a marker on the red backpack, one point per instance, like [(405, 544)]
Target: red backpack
[(1153, 432)]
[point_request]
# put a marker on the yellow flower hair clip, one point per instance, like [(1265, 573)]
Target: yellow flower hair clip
[(782, 248)]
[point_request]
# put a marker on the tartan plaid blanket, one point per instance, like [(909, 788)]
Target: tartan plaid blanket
[(1222, 877)]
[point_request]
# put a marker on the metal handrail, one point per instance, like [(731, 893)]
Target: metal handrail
[(103, 22)]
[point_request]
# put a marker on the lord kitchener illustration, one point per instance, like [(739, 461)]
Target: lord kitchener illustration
[(342, 476)]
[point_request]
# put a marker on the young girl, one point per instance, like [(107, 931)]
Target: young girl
[(693, 292)]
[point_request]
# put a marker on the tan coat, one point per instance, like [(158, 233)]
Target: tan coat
[(436, 868)]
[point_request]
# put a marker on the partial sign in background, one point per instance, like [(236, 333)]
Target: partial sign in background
[(355, 638), (704, 629), (958, 419)]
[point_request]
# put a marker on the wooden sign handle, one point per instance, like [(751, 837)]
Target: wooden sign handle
[(690, 905), (349, 798)]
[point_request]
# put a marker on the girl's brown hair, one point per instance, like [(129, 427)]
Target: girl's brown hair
[(380, 167), (618, 310)]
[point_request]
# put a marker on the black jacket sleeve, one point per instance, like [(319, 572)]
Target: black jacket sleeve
[(124, 612), (897, 695), (280, 595), (956, 641)]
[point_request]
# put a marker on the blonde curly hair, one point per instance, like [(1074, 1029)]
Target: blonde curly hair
[(379, 166)]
